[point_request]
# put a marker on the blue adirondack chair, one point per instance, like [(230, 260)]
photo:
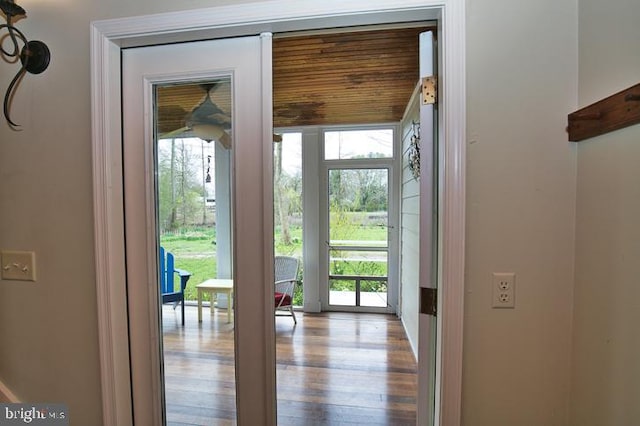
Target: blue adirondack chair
[(168, 272)]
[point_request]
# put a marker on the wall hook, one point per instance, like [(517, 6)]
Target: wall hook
[(586, 116), (611, 113)]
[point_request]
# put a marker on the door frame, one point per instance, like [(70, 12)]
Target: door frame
[(108, 37), (390, 164)]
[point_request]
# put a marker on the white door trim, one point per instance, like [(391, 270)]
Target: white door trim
[(110, 36)]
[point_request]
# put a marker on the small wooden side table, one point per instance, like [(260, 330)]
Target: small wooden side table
[(213, 287)]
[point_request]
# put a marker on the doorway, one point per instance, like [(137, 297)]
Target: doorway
[(358, 248), (108, 40), (360, 222)]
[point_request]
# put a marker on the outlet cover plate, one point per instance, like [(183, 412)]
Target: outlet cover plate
[(503, 290), (18, 265)]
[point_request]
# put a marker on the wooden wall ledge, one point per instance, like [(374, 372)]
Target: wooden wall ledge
[(609, 114)]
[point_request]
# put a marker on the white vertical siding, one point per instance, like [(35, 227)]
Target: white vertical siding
[(409, 232)]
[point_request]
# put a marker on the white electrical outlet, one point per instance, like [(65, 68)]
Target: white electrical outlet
[(503, 290), (18, 265)]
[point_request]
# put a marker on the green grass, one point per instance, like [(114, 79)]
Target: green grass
[(195, 251), (201, 269), (190, 243), (356, 226)]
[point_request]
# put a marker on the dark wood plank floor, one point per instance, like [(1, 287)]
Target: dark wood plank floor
[(332, 369)]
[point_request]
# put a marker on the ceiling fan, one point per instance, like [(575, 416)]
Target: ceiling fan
[(206, 121)]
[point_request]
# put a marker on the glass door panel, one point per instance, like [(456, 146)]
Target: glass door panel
[(358, 236), (192, 140), (358, 144), (358, 277), (287, 202), (194, 209)]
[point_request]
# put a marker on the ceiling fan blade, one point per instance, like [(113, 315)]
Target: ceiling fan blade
[(174, 133), (225, 140), (208, 133)]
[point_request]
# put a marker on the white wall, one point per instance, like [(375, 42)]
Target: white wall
[(409, 231), (521, 179), (606, 347)]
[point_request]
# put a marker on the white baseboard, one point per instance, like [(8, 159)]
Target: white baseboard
[(6, 395), (414, 345), (312, 307)]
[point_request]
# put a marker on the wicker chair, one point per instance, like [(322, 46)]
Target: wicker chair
[(286, 275)]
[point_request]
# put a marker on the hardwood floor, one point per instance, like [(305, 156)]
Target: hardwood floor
[(332, 369)]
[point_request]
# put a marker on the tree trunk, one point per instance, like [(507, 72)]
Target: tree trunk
[(204, 188), (172, 218), (279, 198), (183, 176)]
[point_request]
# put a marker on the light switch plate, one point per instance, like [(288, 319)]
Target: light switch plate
[(18, 265)]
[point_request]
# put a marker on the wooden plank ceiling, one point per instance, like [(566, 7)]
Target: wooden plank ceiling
[(349, 78), (362, 77)]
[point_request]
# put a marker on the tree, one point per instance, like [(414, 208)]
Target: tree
[(180, 190), (358, 190), (372, 190)]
